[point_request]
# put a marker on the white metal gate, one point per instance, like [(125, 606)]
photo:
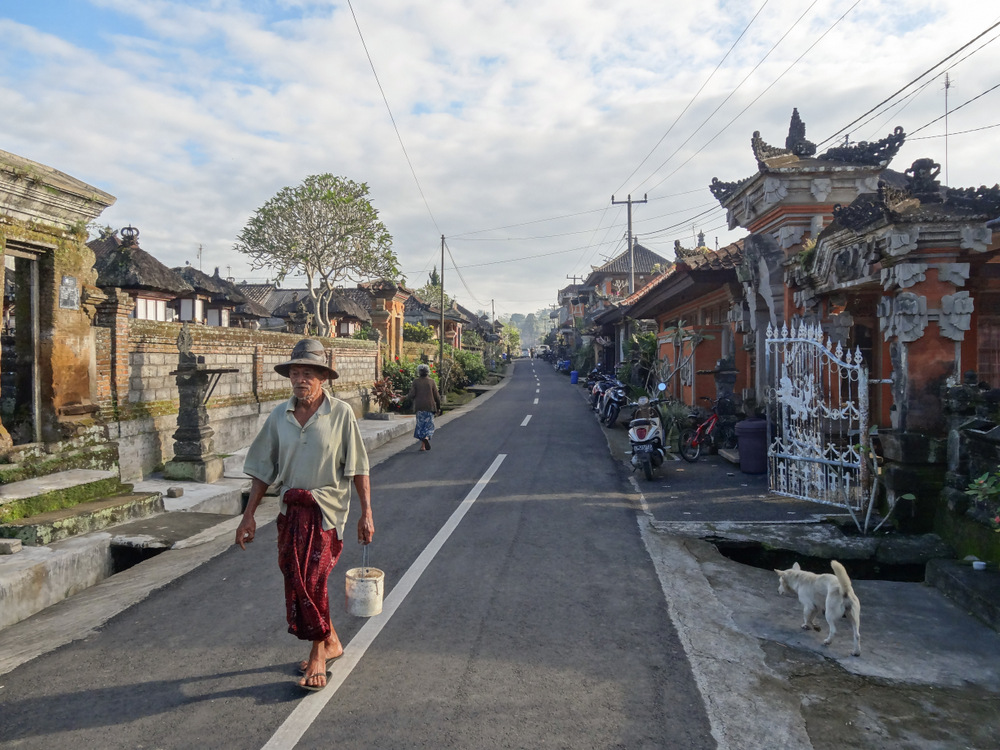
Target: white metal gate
[(818, 430)]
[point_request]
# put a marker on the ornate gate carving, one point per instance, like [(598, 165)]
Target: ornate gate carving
[(818, 430)]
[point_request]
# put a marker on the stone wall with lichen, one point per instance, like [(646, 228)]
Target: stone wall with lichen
[(141, 404)]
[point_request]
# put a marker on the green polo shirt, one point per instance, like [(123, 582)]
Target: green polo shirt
[(320, 456)]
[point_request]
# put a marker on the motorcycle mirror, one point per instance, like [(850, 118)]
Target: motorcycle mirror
[(661, 387)]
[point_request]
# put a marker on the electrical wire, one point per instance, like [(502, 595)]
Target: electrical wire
[(949, 135), (464, 235), (695, 97), (953, 111), (526, 257), (899, 91), (757, 98), (731, 94), (393, 119), (909, 98)]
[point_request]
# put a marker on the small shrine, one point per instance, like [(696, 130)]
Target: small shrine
[(194, 457)]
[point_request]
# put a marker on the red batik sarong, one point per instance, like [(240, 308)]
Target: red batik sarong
[(306, 556)]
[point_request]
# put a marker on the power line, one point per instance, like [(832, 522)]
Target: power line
[(464, 235), (525, 257), (909, 98), (729, 96), (393, 119), (580, 231), (899, 91), (695, 97), (757, 98), (961, 132), (460, 277), (970, 101)]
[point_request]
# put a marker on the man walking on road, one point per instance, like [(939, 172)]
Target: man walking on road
[(311, 447)]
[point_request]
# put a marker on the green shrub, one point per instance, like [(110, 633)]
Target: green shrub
[(417, 333), (401, 374), (472, 366), (365, 333), (453, 375)]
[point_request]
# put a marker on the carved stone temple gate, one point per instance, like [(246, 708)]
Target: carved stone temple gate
[(818, 428)]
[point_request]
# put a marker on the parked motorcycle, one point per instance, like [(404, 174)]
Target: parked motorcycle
[(596, 373), (614, 399), (601, 407), (646, 436), (598, 389)]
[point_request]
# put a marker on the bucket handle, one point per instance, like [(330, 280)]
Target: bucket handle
[(364, 559)]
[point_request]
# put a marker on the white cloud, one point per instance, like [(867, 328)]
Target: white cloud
[(510, 113)]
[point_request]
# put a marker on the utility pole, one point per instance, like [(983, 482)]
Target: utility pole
[(574, 278), (441, 335), (631, 252), (947, 85), (199, 257)]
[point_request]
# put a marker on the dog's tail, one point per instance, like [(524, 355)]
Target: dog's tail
[(842, 578)]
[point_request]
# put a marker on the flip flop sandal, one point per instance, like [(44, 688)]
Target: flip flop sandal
[(331, 660), (427, 443), (314, 688)]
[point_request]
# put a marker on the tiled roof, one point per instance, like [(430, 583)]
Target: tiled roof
[(211, 285), (644, 260), (704, 259), (339, 305), (259, 293)]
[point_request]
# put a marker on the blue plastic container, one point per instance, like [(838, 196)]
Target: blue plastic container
[(574, 377)]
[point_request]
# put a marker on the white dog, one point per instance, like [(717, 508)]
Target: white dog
[(832, 593)]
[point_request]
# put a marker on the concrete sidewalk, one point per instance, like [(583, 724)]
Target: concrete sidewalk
[(929, 672)]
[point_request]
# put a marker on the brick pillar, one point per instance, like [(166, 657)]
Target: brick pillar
[(114, 315)]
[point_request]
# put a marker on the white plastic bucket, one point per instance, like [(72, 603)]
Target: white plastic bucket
[(363, 589)]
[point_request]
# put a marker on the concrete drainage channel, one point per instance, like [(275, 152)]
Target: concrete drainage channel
[(39, 576), (759, 555), (812, 545)]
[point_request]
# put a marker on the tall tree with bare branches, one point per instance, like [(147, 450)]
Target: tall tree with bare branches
[(325, 229)]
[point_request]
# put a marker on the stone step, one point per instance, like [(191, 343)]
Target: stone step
[(51, 526), (165, 530), (40, 460), (53, 492)]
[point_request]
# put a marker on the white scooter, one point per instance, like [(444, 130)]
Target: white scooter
[(645, 434)]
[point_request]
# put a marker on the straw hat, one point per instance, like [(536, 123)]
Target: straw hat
[(307, 352)]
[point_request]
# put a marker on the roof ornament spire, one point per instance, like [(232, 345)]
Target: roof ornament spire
[(130, 236), (796, 141), (922, 180)]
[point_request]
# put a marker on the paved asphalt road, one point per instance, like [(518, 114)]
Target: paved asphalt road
[(538, 622)]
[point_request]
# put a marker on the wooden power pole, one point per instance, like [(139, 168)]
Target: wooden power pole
[(631, 253)]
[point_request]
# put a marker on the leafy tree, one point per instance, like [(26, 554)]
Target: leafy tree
[(510, 338), (417, 333), (325, 229), (431, 291)]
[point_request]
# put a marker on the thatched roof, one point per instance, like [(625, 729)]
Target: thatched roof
[(127, 266), (341, 306)]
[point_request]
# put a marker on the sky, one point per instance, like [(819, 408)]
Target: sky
[(504, 125)]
